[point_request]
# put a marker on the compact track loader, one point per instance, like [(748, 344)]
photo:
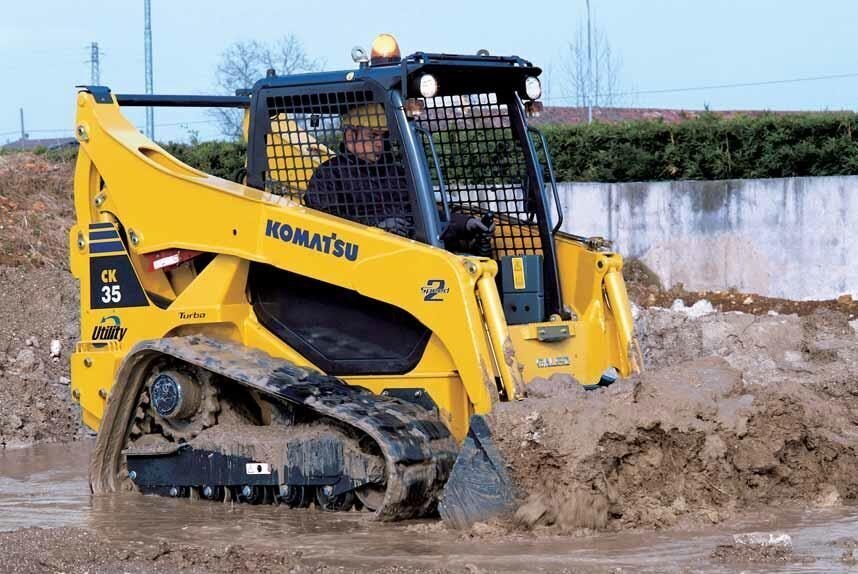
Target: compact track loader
[(300, 337)]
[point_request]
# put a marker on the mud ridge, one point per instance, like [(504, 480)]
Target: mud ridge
[(754, 411)]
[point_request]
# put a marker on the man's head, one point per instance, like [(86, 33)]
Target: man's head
[(365, 131)]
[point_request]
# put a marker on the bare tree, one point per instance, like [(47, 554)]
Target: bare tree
[(245, 62), (603, 87)]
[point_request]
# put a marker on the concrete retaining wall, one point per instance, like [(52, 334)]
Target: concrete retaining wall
[(795, 238)]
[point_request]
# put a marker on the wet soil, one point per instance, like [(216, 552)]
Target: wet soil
[(50, 523), (735, 413)]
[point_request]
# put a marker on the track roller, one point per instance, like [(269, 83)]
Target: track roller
[(296, 496), (327, 501), (212, 493)]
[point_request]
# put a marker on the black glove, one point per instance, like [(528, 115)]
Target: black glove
[(475, 226), (397, 225)]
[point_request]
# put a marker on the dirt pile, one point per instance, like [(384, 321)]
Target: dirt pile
[(36, 210), (766, 348), (738, 411), (38, 301), (38, 310)]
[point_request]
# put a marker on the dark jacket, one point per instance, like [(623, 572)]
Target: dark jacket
[(362, 191), (367, 192)]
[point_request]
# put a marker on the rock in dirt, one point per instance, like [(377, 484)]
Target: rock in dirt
[(698, 309), (759, 547), (780, 539), (25, 360), (745, 553), (846, 542), (848, 558)]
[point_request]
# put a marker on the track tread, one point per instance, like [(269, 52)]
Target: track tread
[(418, 448)]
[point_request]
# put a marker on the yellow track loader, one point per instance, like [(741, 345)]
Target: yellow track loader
[(330, 326)]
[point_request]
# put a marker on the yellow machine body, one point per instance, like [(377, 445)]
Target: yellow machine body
[(132, 199)]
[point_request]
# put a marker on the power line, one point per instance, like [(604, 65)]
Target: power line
[(185, 123), (70, 131), (718, 86)]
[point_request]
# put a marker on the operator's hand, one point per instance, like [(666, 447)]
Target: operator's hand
[(474, 226), (397, 225)]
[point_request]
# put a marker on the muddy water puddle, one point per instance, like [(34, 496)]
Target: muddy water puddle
[(46, 486)]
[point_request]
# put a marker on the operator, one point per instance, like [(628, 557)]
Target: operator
[(364, 183)]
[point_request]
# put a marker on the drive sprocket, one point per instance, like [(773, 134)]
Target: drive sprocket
[(181, 400)]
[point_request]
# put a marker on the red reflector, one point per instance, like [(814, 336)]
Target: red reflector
[(169, 258)]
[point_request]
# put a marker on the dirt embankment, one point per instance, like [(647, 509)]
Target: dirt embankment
[(36, 211), (735, 411), (646, 290), (38, 302)]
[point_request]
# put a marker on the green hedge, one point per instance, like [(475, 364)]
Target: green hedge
[(709, 147), (223, 159)]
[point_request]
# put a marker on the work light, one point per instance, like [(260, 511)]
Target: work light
[(428, 85), (532, 87)]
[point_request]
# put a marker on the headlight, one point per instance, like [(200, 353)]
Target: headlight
[(428, 85), (532, 88)]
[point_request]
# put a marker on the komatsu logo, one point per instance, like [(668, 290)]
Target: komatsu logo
[(328, 244)]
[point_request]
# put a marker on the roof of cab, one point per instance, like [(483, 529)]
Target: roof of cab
[(487, 68)]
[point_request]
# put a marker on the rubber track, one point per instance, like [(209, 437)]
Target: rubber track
[(418, 448)]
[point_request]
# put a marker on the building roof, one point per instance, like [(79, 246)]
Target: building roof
[(46, 143)]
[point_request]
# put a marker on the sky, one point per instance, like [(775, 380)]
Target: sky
[(665, 47)]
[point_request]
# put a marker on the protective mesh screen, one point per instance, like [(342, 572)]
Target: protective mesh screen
[(484, 167), (332, 151)]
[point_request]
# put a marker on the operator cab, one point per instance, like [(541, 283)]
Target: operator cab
[(446, 135)]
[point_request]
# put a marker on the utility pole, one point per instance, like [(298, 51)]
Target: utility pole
[(147, 46), (590, 94), (23, 133), (94, 69)]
